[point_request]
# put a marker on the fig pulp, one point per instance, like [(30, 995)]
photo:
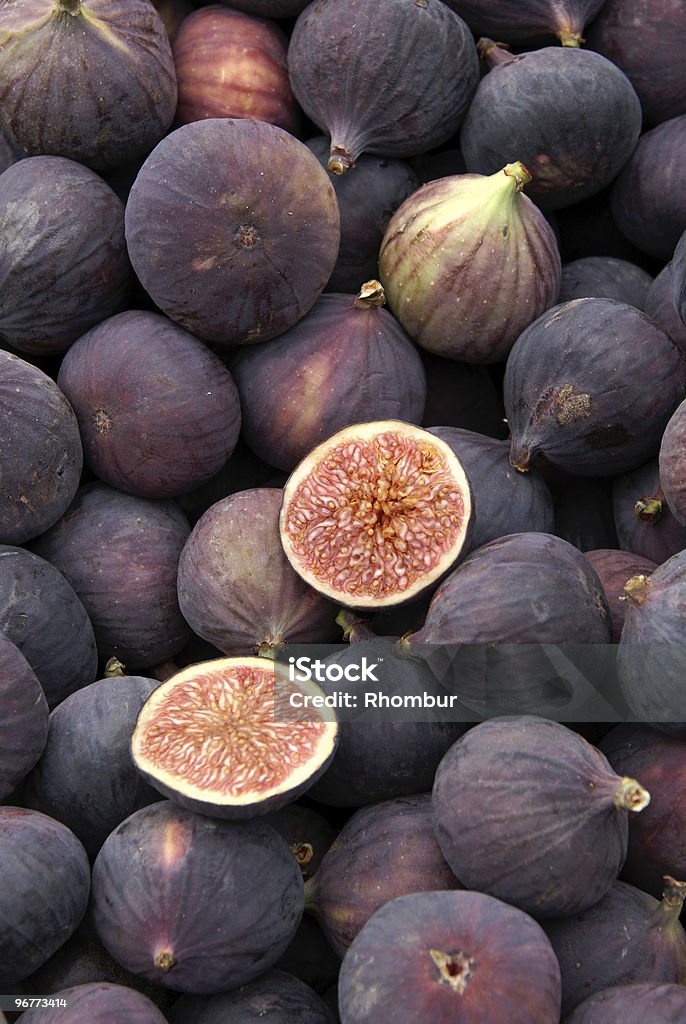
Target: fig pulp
[(467, 262)]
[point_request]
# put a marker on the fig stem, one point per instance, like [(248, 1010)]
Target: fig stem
[(636, 589), (673, 894), (114, 668), (631, 796), (303, 853), (371, 293), (311, 892), (355, 629), (165, 961), (340, 160), (568, 37), (72, 7), (648, 510), (518, 171), (493, 52)]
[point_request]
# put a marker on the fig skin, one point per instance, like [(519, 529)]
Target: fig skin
[(521, 20), (584, 408), (615, 568), (60, 272), (158, 411), (478, 237), (660, 307), (276, 994), (605, 277), (645, 523), (633, 1004), (233, 229), (98, 1003), (570, 115), (23, 717), (92, 80), (420, 72), (346, 360), (679, 279), (672, 463)]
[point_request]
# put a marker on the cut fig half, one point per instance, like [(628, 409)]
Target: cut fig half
[(376, 514), (234, 737)]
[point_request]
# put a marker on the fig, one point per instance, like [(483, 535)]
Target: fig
[(276, 996), (23, 717), (306, 831), (530, 812), (233, 229), (647, 197), (193, 903), (60, 272), (660, 1003), (628, 936), (605, 277), (582, 407), (376, 514), (235, 586), (348, 359), (44, 892), (659, 306), (158, 412), (449, 956), (420, 72), (230, 64), (383, 851), (614, 567), (234, 737), (42, 455), (679, 278), (467, 262), (672, 463), (92, 80), (645, 523), (98, 1003), (570, 115), (172, 13), (120, 553), (271, 8), (517, 21)]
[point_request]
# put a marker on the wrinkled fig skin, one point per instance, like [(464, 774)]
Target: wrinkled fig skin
[(645, 523), (448, 956), (97, 1002), (92, 80), (568, 114), (44, 893), (628, 936), (60, 272), (366, 200), (276, 996), (526, 809), (43, 616), (41, 456), (420, 72), (233, 228), (672, 463), (656, 846), (614, 568), (462, 395), (679, 279), (346, 361), (23, 717), (633, 1004), (648, 197), (139, 361), (195, 904), (383, 851), (659, 305), (236, 588), (646, 39), (85, 777), (598, 402), (505, 501), (605, 277), (120, 553), (521, 20)]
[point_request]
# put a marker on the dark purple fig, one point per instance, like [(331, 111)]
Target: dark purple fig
[(276, 997), (193, 903), (43, 616), (113, 96), (420, 72), (232, 227), (571, 116), (521, 20), (462, 395), (449, 956), (346, 361), (366, 200), (172, 13), (657, 836), (659, 305), (583, 509), (530, 812), (672, 463), (383, 851), (646, 39), (633, 1004), (615, 567), (98, 1003), (158, 412), (235, 586), (41, 455), (120, 553), (23, 717), (504, 501), (627, 936), (645, 523), (44, 892), (605, 277), (85, 777), (308, 833), (598, 401), (467, 262), (679, 279), (647, 196)]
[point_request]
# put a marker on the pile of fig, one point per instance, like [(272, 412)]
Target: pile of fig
[(342, 511)]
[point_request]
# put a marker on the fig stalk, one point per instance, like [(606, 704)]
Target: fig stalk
[(631, 796)]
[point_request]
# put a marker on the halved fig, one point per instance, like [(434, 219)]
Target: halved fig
[(376, 514), (234, 737)]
